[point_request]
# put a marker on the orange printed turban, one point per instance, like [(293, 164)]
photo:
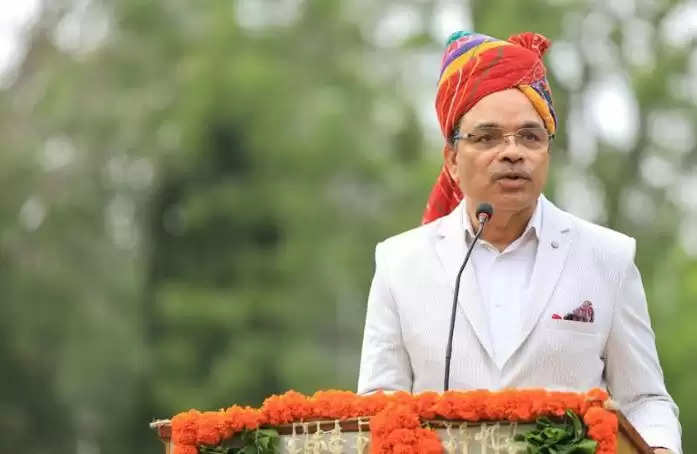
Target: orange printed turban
[(474, 66)]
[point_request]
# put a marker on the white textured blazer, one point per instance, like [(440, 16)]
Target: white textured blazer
[(409, 310)]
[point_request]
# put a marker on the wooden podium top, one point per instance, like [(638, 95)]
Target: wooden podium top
[(629, 440)]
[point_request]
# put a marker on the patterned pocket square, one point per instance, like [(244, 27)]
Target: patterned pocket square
[(583, 313)]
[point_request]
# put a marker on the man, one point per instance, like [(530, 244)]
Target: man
[(547, 299)]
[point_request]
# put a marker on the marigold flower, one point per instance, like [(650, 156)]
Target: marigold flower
[(209, 428), (184, 427), (334, 404), (371, 404), (428, 442), (289, 407), (184, 449), (602, 427)]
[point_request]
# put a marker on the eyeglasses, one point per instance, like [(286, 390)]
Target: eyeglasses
[(534, 139)]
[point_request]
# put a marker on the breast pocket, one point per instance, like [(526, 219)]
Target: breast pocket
[(569, 354), (571, 326)]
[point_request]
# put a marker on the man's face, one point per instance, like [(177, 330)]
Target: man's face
[(511, 175)]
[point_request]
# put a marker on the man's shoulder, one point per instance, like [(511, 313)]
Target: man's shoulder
[(412, 242), (604, 241), (604, 235)]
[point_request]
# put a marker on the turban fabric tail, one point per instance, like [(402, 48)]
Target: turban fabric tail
[(474, 66)]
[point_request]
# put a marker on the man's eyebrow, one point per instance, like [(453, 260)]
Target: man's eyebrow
[(493, 124), (488, 124)]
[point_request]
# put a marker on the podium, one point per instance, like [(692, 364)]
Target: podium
[(319, 424), (628, 440)]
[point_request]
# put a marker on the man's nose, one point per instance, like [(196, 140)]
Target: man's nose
[(510, 150)]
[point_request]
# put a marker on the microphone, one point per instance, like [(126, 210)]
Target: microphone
[(484, 213)]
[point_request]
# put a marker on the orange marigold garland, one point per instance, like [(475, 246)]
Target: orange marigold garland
[(602, 427), (396, 418), (210, 428), (328, 404), (286, 408), (185, 427), (185, 449), (397, 429)]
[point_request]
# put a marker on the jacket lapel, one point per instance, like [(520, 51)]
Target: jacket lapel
[(451, 248), (555, 242)]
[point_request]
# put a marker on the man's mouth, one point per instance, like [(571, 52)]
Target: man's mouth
[(513, 176)]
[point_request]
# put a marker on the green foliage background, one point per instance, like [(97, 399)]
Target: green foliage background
[(190, 200)]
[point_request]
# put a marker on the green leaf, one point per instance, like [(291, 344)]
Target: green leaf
[(586, 446), (213, 450), (260, 441), (579, 431), (566, 436)]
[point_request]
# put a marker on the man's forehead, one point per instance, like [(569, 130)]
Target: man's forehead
[(530, 123), (507, 108)]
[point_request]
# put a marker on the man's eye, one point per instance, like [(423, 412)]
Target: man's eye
[(532, 135), (483, 138)]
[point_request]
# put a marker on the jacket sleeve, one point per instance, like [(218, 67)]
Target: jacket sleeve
[(633, 372), (384, 360)]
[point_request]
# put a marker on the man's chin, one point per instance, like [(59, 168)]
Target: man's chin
[(514, 202)]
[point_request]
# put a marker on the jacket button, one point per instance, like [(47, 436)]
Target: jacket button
[(555, 244)]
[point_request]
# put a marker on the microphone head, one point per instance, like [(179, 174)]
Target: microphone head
[(484, 212)]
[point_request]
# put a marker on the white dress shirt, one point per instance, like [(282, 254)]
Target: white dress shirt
[(504, 281)]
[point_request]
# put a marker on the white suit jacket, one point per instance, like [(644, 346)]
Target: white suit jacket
[(410, 303)]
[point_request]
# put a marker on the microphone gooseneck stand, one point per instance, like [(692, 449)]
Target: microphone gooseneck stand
[(484, 212)]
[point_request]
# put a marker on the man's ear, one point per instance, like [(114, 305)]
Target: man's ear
[(450, 160)]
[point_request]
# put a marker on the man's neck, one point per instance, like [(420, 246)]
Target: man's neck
[(504, 227)]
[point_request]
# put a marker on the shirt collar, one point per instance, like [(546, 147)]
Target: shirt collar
[(534, 224)]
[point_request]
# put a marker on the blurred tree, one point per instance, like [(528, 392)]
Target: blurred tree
[(192, 193), (203, 199), (277, 150)]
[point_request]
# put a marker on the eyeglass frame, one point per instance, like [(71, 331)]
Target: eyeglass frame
[(456, 136)]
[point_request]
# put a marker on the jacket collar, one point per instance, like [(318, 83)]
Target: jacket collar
[(556, 234)]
